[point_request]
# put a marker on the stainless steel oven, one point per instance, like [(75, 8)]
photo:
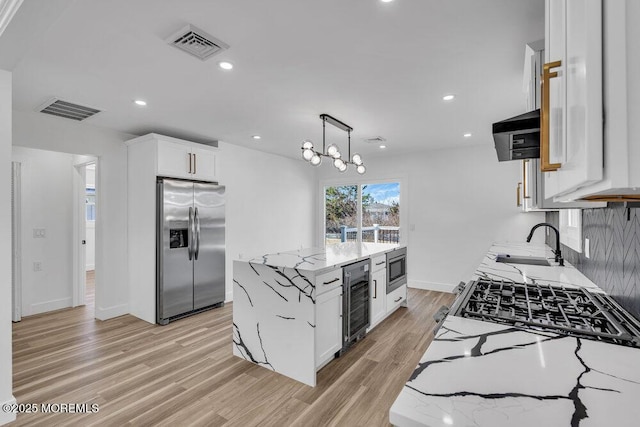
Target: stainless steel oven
[(396, 269), (355, 319)]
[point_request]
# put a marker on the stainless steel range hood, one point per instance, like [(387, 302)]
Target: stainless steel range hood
[(518, 137)]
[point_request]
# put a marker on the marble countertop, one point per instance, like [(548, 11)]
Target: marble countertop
[(555, 275), (316, 259), (478, 373)]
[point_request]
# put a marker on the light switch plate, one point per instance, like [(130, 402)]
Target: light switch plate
[(586, 248)]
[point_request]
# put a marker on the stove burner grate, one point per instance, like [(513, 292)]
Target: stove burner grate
[(571, 311)]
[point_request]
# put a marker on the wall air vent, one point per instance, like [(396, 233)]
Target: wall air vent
[(375, 140), (196, 42), (68, 110)]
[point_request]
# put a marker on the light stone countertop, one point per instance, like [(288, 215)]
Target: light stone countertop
[(477, 373), (316, 259)]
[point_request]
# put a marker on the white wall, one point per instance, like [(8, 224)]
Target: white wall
[(36, 130), (459, 202), (271, 204), (5, 246), (47, 204)]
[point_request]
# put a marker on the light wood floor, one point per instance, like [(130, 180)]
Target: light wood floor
[(185, 373)]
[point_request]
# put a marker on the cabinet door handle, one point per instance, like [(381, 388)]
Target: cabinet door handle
[(375, 288), (331, 281), (195, 163), (396, 300), (380, 263), (545, 162), (518, 200), (190, 162), (524, 179)]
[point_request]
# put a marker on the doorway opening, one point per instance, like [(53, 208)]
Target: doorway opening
[(54, 215), (84, 242), (89, 241)]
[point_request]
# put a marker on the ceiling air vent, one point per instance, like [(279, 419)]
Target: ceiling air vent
[(196, 42), (68, 110), (375, 140)]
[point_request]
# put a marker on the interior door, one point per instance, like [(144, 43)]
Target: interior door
[(175, 268), (209, 251)]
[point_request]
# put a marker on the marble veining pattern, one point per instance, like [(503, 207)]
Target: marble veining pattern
[(478, 373), (567, 276), (274, 317), (315, 259)]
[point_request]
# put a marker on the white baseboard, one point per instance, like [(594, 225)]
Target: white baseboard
[(431, 286), (90, 267), (56, 304), (7, 417), (228, 297), (105, 313)]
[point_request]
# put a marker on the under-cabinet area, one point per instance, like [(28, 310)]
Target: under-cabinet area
[(294, 312)]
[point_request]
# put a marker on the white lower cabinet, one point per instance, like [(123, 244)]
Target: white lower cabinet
[(378, 297), (328, 325), (396, 298)]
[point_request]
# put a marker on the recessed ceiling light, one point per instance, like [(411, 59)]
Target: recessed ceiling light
[(386, 1), (256, 137), (383, 146), (225, 65), (140, 102), (467, 135), (448, 97)]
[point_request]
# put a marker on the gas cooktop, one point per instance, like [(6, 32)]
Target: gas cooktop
[(570, 311)]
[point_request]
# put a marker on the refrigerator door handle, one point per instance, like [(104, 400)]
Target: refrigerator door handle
[(191, 233), (196, 219)]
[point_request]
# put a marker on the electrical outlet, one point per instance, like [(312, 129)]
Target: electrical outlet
[(586, 248), (38, 233), (37, 266)]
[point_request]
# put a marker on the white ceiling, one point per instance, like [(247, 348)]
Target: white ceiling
[(380, 67)]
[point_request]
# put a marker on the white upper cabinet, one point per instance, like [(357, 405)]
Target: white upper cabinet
[(176, 158), (204, 162), (571, 150), (613, 23), (182, 159), (530, 192)]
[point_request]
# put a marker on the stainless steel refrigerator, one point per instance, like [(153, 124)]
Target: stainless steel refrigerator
[(190, 248)]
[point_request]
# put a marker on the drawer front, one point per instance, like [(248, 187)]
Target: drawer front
[(396, 298), (378, 262), (328, 281)]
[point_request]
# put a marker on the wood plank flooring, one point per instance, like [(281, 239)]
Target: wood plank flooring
[(185, 373)]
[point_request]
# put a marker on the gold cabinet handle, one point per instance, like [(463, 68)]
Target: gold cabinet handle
[(518, 199), (195, 163), (189, 162), (545, 163), (524, 179)]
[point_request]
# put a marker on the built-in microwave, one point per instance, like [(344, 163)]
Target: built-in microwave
[(396, 269)]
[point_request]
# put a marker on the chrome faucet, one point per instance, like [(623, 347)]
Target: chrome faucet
[(557, 252)]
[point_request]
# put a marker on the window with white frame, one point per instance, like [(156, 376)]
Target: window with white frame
[(362, 212), (90, 204)]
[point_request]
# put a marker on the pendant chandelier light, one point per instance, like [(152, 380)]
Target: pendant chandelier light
[(332, 151)]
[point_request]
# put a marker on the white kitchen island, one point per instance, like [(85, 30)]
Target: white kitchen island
[(287, 306)]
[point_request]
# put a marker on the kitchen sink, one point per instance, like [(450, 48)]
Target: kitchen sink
[(530, 260)]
